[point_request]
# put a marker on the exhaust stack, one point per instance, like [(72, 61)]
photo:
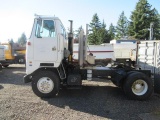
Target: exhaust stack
[(70, 41)]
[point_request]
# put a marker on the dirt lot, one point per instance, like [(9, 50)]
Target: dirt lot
[(102, 100)]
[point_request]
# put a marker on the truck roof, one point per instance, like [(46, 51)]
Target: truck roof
[(46, 17)]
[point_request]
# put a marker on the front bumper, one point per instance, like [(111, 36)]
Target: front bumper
[(27, 78)]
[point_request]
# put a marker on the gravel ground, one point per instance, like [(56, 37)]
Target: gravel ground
[(96, 100)]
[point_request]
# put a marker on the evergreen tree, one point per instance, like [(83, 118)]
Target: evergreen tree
[(122, 27), (22, 40), (141, 18), (155, 18), (103, 25), (11, 41), (103, 33), (76, 34), (95, 25), (98, 33), (78, 31), (111, 32)]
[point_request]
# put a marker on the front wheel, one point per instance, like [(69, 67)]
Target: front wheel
[(138, 86), (5, 66), (45, 84)]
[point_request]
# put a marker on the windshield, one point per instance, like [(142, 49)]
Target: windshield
[(45, 28)]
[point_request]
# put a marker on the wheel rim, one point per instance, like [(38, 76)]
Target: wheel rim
[(139, 87), (45, 85)]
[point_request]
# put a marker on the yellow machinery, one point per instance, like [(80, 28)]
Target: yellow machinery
[(14, 54)]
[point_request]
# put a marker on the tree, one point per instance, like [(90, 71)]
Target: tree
[(111, 32), (22, 40), (95, 25), (122, 27), (76, 34), (11, 41), (141, 18), (98, 33), (155, 18), (103, 33)]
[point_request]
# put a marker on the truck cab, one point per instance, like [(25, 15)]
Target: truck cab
[(46, 45)]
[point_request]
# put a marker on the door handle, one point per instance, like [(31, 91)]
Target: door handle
[(54, 48)]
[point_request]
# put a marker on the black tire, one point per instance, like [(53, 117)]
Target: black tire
[(130, 82), (48, 75), (0, 67), (5, 66), (21, 60)]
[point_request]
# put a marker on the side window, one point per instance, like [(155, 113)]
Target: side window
[(45, 28)]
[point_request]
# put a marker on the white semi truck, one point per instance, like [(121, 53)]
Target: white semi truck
[(49, 63)]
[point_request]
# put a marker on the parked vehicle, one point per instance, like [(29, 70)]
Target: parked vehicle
[(14, 54), (2, 56), (125, 51), (121, 52), (103, 54), (50, 65), (149, 59)]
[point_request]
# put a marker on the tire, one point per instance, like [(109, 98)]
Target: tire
[(45, 84), (21, 61), (0, 67), (128, 73), (138, 86), (5, 66)]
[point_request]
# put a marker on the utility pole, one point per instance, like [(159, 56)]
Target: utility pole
[(151, 30)]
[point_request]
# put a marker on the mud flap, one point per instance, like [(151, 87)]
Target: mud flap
[(27, 79), (157, 83)]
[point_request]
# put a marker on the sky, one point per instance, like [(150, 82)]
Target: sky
[(17, 15)]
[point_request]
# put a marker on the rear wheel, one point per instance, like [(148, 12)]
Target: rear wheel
[(45, 84), (138, 86)]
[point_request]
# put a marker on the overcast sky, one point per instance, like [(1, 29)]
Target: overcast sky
[(17, 15)]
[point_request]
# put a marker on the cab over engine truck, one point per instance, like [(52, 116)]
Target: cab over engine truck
[(49, 63)]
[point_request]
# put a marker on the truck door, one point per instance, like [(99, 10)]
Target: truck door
[(45, 42)]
